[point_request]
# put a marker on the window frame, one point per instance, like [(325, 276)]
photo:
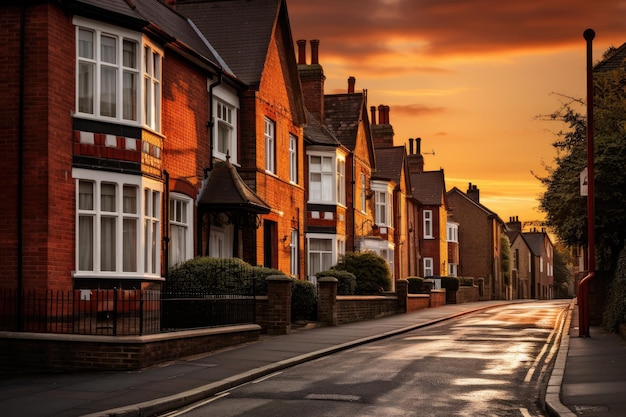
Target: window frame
[(431, 267), (143, 252), (186, 223), (327, 186), (293, 159), (427, 222), (144, 99), (270, 146)]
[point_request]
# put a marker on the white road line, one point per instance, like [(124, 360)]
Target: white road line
[(256, 381), (183, 411), (525, 412)]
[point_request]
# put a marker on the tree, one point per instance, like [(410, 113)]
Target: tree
[(566, 210)]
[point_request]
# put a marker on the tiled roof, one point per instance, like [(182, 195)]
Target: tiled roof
[(154, 12), (390, 162), (429, 187), (342, 113), (317, 134), (226, 191), (240, 31), (615, 61)]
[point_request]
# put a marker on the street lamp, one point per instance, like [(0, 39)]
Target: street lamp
[(363, 223)]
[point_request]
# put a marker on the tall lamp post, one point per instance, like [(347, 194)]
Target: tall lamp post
[(583, 285)]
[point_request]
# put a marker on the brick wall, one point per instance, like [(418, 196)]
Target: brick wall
[(417, 302), (358, 308)]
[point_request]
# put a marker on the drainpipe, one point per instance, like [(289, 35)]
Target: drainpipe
[(583, 285), (166, 238), (209, 126), (20, 167)]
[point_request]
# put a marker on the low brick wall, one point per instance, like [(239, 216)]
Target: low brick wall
[(357, 308), (437, 298), (463, 295), (417, 302), (99, 353)]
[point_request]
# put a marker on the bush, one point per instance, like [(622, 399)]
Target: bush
[(218, 276), (372, 271), (303, 301), (259, 275), (346, 284), (615, 309), (450, 283), (466, 281), (415, 284)]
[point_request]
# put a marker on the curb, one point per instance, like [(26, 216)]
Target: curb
[(553, 403)]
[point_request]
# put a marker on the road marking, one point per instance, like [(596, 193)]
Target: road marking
[(256, 381), (525, 412), (183, 411), (554, 331)]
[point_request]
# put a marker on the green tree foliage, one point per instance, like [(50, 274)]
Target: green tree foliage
[(562, 274), (615, 312), (372, 271), (566, 210), (505, 258)]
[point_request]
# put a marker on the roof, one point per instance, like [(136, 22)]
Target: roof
[(536, 241), (342, 115), (240, 31), (614, 61), (226, 191), (463, 195), (151, 15), (317, 134), (429, 187), (390, 162)]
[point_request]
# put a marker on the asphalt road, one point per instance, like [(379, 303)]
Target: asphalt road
[(490, 363)]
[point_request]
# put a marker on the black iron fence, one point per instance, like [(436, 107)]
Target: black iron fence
[(119, 312)]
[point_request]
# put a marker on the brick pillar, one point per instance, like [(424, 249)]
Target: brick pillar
[(327, 301), (402, 292), (278, 304)]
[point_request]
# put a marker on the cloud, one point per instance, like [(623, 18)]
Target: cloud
[(366, 29), (413, 110)]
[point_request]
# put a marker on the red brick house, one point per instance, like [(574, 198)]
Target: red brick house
[(254, 40), (479, 233), (392, 168)]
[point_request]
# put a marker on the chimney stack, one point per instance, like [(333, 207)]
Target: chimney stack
[(373, 113), (418, 146), (351, 82), (301, 51), (410, 146), (473, 193), (315, 45)]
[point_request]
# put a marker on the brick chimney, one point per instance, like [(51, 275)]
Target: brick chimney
[(473, 192), (514, 224), (415, 158), (373, 115), (312, 79), (351, 83), (382, 133)]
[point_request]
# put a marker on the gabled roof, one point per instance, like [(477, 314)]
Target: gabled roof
[(317, 134), (151, 16), (463, 195), (390, 162), (226, 191), (429, 187), (240, 31), (535, 241), (613, 62), (342, 115)]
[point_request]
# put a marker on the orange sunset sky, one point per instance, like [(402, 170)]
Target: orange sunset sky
[(470, 77)]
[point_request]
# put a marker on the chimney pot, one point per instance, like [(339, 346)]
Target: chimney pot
[(418, 146), (301, 51), (315, 46), (351, 82), (410, 146), (373, 113)]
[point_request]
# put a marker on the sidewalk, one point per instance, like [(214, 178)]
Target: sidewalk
[(589, 374), (155, 390)]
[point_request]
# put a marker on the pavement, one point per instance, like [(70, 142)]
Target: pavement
[(588, 378)]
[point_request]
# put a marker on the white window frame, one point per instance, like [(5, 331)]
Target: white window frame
[(428, 267), (225, 117), (294, 259), (452, 269), (270, 146), (427, 217), (363, 194), (147, 247), (293, 159), (332, 252), (147, 73), (383, 204), (181, 220), (453, 232), (341, 181), (322, 188)]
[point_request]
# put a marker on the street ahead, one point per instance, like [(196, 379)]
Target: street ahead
[(490, 363)]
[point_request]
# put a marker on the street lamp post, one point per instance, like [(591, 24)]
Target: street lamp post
[(363, 223)]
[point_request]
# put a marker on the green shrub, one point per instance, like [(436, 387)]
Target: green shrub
[(615, 309), (450, 283), (466, 281), (303, 301), (219, 276), (346, 281), (415, 284), (372, 271), (259, 274)]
